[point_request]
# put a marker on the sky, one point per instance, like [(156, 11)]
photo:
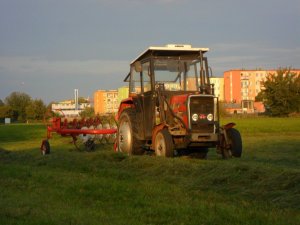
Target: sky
[(50, 47)]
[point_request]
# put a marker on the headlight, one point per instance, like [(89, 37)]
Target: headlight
[(210, 117), (195, 117)]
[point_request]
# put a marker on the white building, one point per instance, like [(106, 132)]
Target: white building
[(218, 87), (68, 108)]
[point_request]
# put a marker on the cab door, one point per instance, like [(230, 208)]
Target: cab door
[(141, 88), (147, 99)]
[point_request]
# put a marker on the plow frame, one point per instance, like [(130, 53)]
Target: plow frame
[(73, 129)]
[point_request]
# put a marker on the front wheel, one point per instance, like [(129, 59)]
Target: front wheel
[(236, 146), (164, 144)]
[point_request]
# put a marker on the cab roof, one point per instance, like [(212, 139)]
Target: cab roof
[(170, 50)]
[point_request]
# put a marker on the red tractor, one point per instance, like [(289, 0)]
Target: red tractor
[(171, 108)]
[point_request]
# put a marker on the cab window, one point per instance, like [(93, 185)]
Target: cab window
[(140, 81)]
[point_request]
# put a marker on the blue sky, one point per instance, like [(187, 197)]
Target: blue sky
[(50, 47)]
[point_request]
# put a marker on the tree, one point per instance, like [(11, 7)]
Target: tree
[(281, 93), (6, 112), (1, 103), (87, 112), (40, 109), (36, 110), (18, 102), (82, 100)]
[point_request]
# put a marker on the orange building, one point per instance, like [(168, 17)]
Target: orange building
[(106, 101), (242, 86)]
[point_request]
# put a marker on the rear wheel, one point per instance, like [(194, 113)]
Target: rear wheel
[(164, 144), (128, 141), (236, 146)]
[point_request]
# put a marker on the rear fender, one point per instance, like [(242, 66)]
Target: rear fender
[(125, 103), (228, 126)]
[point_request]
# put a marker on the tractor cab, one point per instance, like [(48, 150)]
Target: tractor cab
[(171, 104)]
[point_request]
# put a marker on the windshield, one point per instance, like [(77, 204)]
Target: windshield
[(178, 75)]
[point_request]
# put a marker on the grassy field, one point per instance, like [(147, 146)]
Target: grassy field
[(102, 187)]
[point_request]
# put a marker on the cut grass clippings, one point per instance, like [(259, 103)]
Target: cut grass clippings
[(104, 187)]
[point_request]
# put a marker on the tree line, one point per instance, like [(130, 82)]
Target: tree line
[(20, 106), (280, 95)]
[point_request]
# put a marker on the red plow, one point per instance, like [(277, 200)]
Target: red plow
[(84, 132)]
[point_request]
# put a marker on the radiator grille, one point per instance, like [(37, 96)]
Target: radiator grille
[(202, 106)]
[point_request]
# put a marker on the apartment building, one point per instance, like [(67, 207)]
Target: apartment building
[(106, 101), (242, 86), (217, 81), (123, 93), (218, 87)]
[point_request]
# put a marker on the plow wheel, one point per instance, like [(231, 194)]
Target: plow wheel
[(45, 148), (109, 138), (99, 137), (106, 136), (88, 141), (114, 125), (87, 145), (92, 136), (112, 137), (85, 141)]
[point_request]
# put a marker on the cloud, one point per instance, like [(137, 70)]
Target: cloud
[(254, 47), (53, 80), (142, 2), (30, 65), (226, 56)]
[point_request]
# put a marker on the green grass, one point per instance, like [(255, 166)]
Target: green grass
[(258, 125), (103, 187)]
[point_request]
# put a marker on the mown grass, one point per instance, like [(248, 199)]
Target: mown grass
[(103, 187)]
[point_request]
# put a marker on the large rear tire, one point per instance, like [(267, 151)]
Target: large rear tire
[(127, 137), (236, 142), (164, 144)]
